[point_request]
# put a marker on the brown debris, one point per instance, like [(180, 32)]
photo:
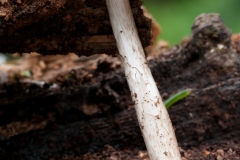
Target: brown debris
[(236, 42), (156, 31), (16, 128)]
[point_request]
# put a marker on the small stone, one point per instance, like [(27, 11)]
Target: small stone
[(220, 152), (219, 158)]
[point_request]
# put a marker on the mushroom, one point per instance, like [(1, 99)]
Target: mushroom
[(152, 115)]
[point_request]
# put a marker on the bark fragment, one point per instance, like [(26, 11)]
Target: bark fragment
[(61, 26)]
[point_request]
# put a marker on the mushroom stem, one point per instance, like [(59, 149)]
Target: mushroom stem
[(152, 115)]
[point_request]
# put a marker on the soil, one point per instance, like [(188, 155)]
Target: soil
[(70, 108), (62, 26)]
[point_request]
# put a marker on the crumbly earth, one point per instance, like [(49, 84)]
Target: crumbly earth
[(72, 108), (61, 26)]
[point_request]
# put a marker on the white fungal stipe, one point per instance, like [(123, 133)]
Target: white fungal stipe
[(152, 115)]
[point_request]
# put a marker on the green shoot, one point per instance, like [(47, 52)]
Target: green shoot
[(26, 73), (177, 97)]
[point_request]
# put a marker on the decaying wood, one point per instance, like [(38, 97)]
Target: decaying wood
[(61, 26)]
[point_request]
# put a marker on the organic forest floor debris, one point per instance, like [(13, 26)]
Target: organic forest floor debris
[(80, 108)]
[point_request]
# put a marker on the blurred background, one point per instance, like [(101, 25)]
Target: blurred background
[(177, 16)]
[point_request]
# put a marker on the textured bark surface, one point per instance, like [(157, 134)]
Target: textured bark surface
[(62, 26)]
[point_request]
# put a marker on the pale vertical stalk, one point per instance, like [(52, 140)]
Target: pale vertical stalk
[(152, 115)]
